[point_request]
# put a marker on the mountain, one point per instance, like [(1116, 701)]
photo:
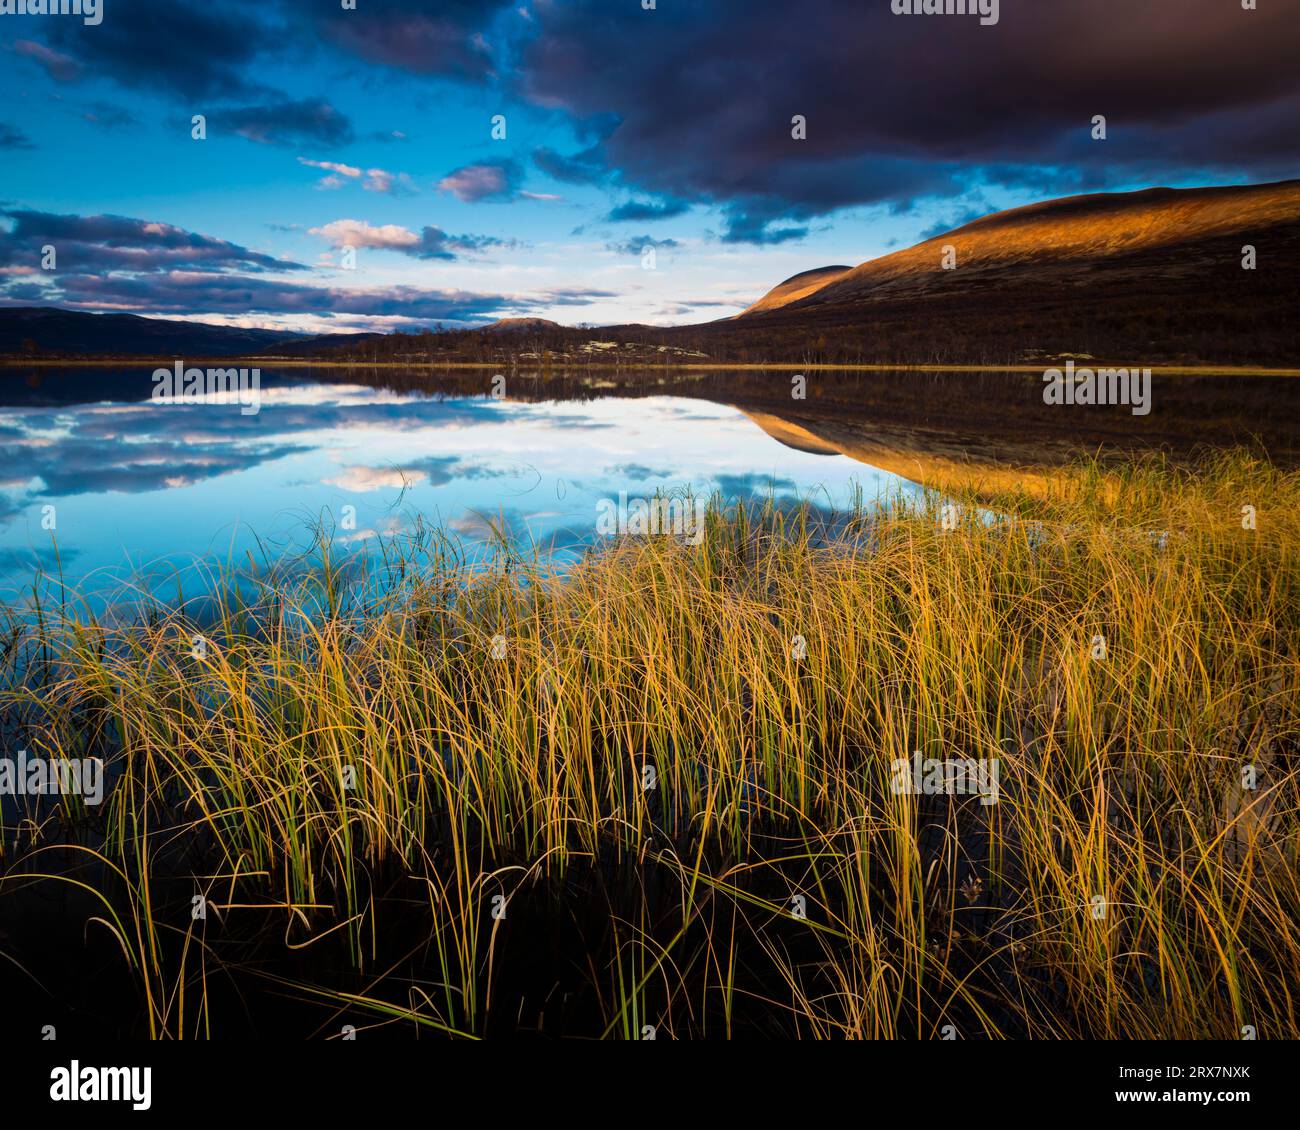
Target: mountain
[(519, 325), (796, 287), (54, 331), (1059, 239), (1155, 275), (46, 331), (306, 346)]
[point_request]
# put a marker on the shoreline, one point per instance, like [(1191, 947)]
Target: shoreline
[(1163, 370)]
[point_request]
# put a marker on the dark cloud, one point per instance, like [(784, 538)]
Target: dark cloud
[(209, 52), (746, 227), (570, 296), (636, 244), (580, 168), (147, 267), (23, 294), (902, 107), (437, 244), (108, 243), (194, 51), (194, 293), (636, 210), (425, 37), (304, 122), (693, 102)]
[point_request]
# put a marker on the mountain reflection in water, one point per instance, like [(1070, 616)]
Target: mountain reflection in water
[(99, 483)]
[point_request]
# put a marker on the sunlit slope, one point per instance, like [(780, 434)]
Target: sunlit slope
[(1068, 239), (1154, 276), (796, 287)]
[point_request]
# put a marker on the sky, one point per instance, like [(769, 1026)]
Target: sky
[(486, 160)]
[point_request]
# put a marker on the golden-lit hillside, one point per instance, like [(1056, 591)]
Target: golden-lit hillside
[(1155, 276), (797, 287), (1076, 233)]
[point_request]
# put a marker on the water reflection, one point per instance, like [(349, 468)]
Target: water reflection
[(97, 482), (100, 482)]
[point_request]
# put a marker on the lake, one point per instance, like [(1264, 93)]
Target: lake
[(100, 484)]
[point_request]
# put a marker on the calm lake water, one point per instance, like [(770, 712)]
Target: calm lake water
[(100, 484), (140, 489)]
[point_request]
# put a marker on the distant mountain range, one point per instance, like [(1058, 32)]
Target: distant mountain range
[(1156, 276), (51, 330), (47, 330)]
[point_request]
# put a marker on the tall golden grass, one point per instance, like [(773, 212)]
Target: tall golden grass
[(670, 766)]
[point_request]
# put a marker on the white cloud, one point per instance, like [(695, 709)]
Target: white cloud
[(358, 233)]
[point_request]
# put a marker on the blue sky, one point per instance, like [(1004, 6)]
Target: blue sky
[(625, 128)]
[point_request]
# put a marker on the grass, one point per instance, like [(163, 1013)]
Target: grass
[(664, 808)]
